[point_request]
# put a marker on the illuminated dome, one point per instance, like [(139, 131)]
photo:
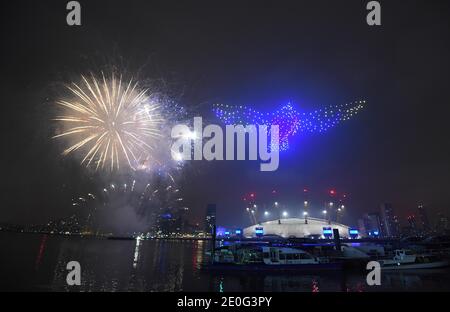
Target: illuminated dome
[(296, 227)]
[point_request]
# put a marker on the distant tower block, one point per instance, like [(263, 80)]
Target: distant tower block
[(425, 223), (210, 220), (388, 221)]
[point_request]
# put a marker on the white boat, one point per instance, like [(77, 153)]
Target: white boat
[(285, 255), (352, 253), (407, 260), (372, 250), (274, 259), (223, 255)]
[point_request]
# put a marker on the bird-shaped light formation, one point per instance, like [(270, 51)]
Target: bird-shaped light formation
[(289, 119)]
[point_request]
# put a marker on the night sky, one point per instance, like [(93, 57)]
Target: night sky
[(260, 54)]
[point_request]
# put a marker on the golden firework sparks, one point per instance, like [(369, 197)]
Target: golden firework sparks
[(112, 121)]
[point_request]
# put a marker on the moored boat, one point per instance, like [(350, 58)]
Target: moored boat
[(407, 260), (279, 259)]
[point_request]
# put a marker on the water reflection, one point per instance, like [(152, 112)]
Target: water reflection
[(41, 251), (38, 262)]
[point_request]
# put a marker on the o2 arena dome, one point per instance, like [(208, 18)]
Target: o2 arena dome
[(297, 227)]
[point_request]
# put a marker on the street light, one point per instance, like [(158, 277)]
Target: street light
[(285, 214), (340, 213), (325, 212), (305, 213), (266, 213)]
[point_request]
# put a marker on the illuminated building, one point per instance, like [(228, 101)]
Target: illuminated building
[(167, 224), (423, 217), (411, 229), (388, 221), (210, 219), (372, 224), (353, 233), (397, 226), (362, 227), (412, 222), (295, 227), (442, 224)]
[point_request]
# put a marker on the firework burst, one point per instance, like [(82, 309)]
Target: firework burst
[(112, 121)]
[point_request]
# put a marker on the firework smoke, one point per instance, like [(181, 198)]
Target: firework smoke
[(130, 203)]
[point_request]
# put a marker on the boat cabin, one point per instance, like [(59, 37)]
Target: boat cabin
[(283, 255)]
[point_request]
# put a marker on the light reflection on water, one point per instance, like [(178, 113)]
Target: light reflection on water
[(38, 262)]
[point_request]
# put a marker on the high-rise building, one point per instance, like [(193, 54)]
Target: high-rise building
[(411, 229), (412, 222), (425, 224), (397, 226), (388, 225), (442, 223), (167, 224), (210, 220), (372, 224), (362, 227)]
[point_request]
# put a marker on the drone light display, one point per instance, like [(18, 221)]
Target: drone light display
[(289, 119)]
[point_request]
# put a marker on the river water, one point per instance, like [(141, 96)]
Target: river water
[(36, 262)]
